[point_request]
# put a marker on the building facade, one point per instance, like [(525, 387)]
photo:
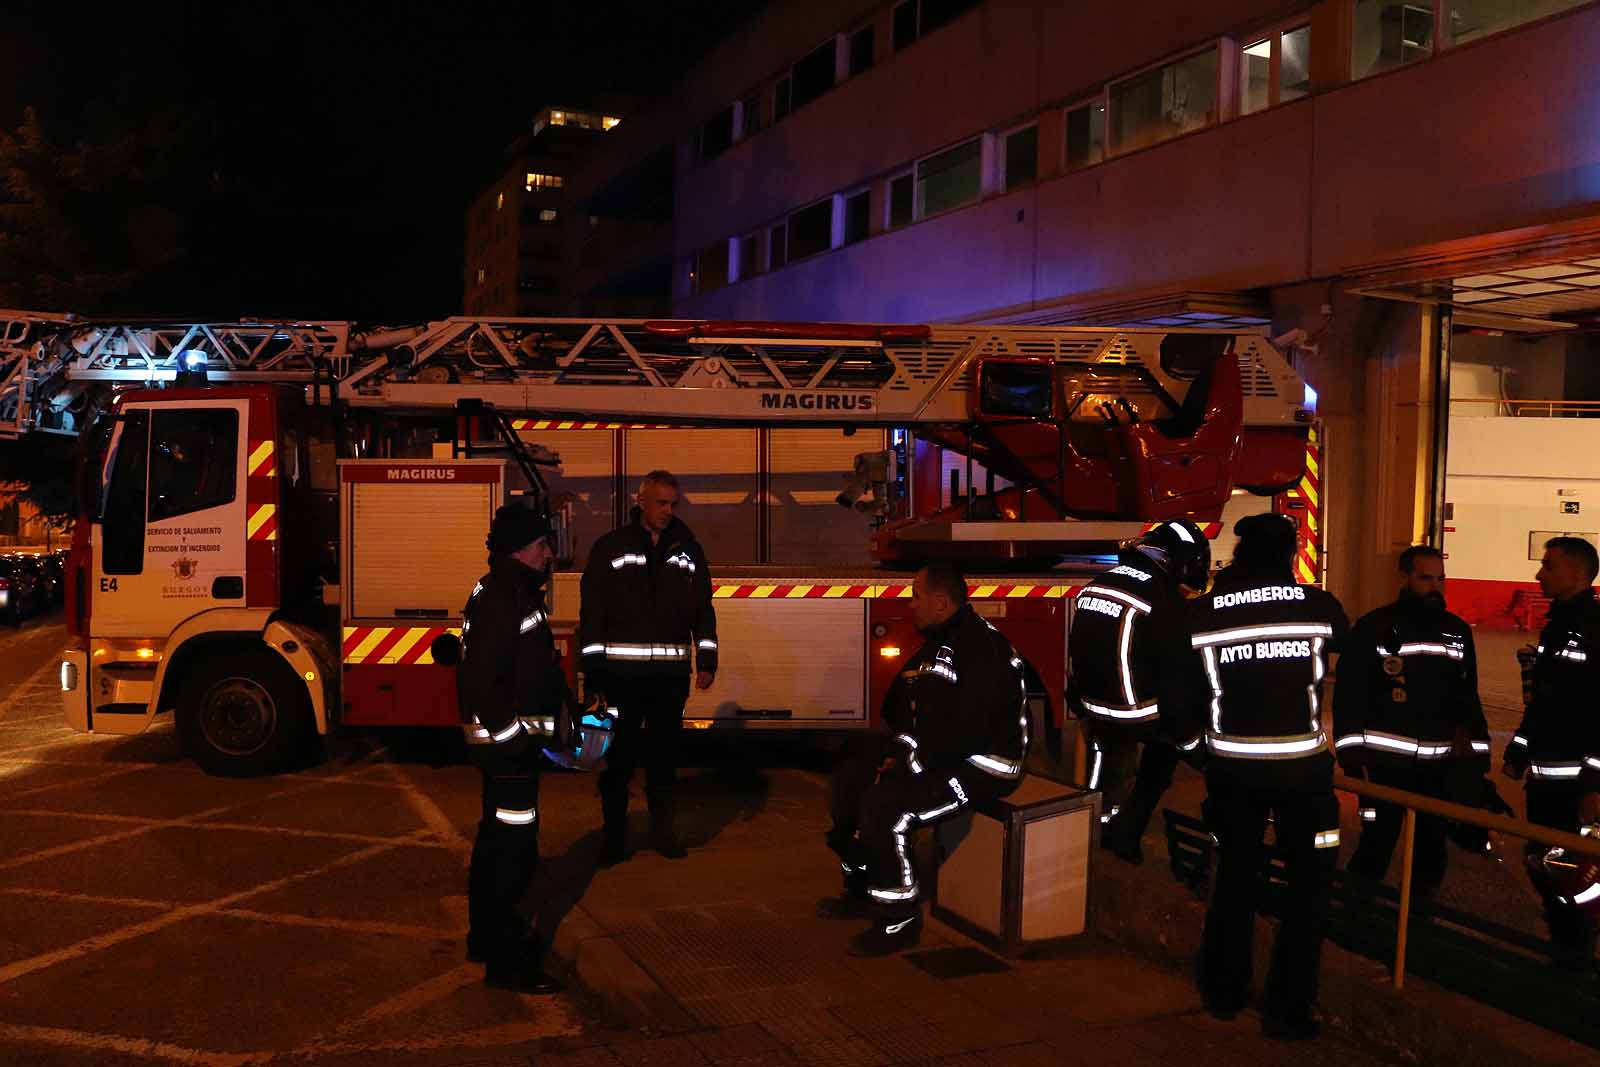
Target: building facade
[(1371, 179), (518, 229)]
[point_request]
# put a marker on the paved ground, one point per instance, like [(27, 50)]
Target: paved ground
[(151, 914)]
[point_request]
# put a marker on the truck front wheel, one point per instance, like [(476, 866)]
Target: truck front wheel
[(244, 714)]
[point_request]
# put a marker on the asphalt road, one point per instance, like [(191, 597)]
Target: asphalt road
[(152, 914)]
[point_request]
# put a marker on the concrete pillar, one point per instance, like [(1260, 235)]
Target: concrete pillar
[(1374, 366)]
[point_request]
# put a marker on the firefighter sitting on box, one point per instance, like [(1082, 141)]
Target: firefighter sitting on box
[(510, 689), (1558, 744), (961, 708), (646, 621), (1261, 644), (1128, 634), (1406, 711)]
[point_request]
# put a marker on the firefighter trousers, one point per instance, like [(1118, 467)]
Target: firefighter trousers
[(891, 810), (1556, 805), (505, 856), (1306, 822), (1382, 822), (649, 726), (854, 774), (1132, 770)]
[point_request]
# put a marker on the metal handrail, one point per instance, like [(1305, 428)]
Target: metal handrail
[(1517, 406), (1415, 802)]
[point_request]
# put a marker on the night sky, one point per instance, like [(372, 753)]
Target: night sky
[(333, 146)]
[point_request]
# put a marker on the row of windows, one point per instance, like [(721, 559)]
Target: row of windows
[(837, 59), (1129, 114)]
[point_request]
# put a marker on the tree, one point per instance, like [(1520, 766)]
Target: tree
[(99, 225)]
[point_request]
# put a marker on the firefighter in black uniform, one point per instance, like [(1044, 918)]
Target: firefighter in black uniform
[(1406, 712), (1557, 746), (646, 619), (509, 688), (1260, 645), (961, 709), (1128, 634)]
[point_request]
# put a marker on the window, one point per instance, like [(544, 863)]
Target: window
[(782, 95), (1469, 20), (861, 47), (1086, 135), (548, 214), (499, 201), (1390, 34), (1275, 70), (750, 115), (950, 179), (710, 268), (778, 246), (716, 135), (813, 75), (193, 460), (542, 181), (857, 220), (902, 200), (1021, 158), (1164, 103), (480, 275), (918, 18), (905, 24), (745, 266), (811, 230), (122, 549)]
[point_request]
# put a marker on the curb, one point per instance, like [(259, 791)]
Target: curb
[(1422, 1023), (603, 967)]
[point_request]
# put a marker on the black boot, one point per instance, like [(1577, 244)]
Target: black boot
[(662, 836), (888, 935), (614, 811), (851, 903)]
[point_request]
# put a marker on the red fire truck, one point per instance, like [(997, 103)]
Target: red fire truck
[(275, 552)]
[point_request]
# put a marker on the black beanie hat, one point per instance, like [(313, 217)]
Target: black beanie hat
[(515, 527)]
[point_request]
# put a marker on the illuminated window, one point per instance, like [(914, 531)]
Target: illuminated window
[(499, 201), (547, 214), (1275, 69), (543, 181), (480, 275), (609, 122)]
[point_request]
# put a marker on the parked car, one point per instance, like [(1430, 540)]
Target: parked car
[(53, 580), (19, 589)]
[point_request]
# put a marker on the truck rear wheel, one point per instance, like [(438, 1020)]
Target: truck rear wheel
[(244, 714)]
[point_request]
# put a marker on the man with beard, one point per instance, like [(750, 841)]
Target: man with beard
[(1405, 711), (960, 716)]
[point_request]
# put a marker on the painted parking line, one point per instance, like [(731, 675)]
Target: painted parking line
[(93, 1045)]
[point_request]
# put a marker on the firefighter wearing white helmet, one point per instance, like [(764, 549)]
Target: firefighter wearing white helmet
[(1127, 639), (512, 695), (1260, 651)]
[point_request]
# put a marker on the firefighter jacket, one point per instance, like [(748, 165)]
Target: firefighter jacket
[(1559, 739), (509, 681), (961, 699), (1128, 636), (1259, 650), (646, 607), (1407, 688)]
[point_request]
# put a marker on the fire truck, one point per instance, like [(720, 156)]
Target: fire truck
[(281, 521)]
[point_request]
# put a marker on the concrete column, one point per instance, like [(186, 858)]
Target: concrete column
[(1373, 364)]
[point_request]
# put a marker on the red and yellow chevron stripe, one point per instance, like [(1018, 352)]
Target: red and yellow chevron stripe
[(404, 645), (263, 524), (737, 590), (264, 460), (567, 424), (1308, 562)]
